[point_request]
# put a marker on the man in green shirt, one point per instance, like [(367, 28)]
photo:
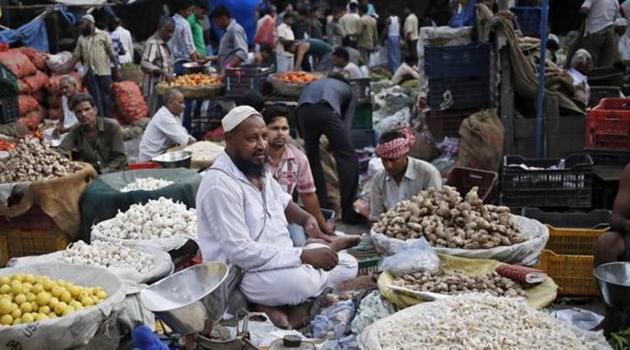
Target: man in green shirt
[(200, 11), (97, 141)]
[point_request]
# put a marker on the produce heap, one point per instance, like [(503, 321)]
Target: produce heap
[(159, 218), (146, 184), (33, 160), (26, 298), (446, 221), (204, 151), (477, 321), (106, 254), (454, 282), (196, 79), (297, 77)]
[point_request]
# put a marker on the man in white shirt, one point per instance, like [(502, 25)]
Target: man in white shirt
[(165, 128), (69, 87), (243, 215), (580, 65), (342, 64), (410, 29), (125, 39), (350, 22), (284, 31), (403, 176), (599, 34)]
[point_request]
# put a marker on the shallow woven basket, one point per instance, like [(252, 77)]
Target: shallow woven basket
[(289, 89)]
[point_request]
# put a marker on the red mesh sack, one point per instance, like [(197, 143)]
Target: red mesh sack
[(32, 119), (38, 59), (23, 86), (27, 104), (129, 101), (37, 81), (17, 63)]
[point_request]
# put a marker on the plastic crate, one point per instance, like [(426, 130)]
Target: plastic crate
[(242, 79), (362, 138), (369, 266), (33, 233), (143, 165), (361, 90), (8, 83), (608, 125), (599, 93), (446, 123), (609, 158), (572, 273), (464, 179), (465, 61), (465, 92), (363, 117), (545, 185), (528, 19), (9, 110)]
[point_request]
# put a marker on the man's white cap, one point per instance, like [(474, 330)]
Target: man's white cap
[(88, 18), (236, 116)]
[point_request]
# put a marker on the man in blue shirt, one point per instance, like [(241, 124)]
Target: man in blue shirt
[(182, 44)]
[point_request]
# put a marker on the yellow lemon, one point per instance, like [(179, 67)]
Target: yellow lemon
[(6, 320), (26, 307), (5, 289), (44, 309), (43, 298), (5, 306), (27, 318), (37, 288), (19, 299)]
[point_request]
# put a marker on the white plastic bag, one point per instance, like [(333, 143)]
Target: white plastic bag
[(57, 63), (414, 255)]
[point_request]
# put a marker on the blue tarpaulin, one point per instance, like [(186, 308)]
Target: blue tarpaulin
[(32, 34), (243, 11)]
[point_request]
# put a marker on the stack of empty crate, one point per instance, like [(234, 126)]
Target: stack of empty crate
[(459, 85)]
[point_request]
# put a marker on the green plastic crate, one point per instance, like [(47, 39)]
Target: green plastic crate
[(363, 117)]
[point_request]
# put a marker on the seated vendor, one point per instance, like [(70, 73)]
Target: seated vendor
[(580, 66), (614, 245), (243, 215), (165, 129), (406, 71), (97, 141), (69, 87), (403, 176), (290, 167)]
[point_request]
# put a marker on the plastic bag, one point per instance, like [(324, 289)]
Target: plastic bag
[(335, 318), (398, 120), (372, 308), (414, 255), (56, 63)]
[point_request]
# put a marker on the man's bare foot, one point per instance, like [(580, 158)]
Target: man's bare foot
[(344, 242), (277, 315)]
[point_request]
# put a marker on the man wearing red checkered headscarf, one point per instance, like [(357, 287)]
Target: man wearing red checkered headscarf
[(403, 176)]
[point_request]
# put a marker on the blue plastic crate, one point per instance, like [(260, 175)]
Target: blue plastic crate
[(465, 92), (528, 19), (465, 61)]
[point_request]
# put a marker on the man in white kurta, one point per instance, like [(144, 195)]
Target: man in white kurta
[(243, 215)]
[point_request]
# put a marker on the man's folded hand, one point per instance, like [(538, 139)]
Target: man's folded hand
[(320, 258)]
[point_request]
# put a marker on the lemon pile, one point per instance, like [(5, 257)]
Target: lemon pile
[(26, 298)]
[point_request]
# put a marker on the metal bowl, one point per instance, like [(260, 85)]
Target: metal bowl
[(189, 298), (194, 67), (179, 159), (614, 282)]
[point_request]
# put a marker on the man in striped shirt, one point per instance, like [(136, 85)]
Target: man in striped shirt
[(157, 61)]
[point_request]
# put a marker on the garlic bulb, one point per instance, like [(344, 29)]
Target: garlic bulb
[(159, 218), (107, 254), (146, 184)]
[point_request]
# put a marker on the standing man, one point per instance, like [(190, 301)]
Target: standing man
[(403, 176), (326, 107), (96, 52), (97, 141), (350, 23), (165, 129), (157, 61), (182, 43), (200, 11), (599, 32), (284, 31), (411, 31), (342, 64), (291, 169), (233, 46), (125, 40), (242, 221), (334, 31), (367, 38), (393, 41)]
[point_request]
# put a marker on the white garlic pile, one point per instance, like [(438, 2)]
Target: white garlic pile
[(476, 321), (204, 151), (159, 218), (146, 184), (106, 254)]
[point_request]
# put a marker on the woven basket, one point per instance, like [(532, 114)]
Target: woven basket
[(192, 92), (289, 89)]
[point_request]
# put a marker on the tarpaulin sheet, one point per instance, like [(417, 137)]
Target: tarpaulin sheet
[(102, 199), (32, 34)]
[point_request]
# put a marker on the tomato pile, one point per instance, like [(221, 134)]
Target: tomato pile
[(196, 79), (297, 77)]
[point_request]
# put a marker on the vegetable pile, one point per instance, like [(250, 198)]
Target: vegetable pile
[(26, 298), (454, 282), (446, 221), (297, 77), (477, 321), (159, 218), (34, 160), (106, 254), (196, 79), (204, 151), (146, 184), (6, 146)]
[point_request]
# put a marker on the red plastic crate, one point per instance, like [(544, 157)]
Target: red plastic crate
[(608, 125)]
